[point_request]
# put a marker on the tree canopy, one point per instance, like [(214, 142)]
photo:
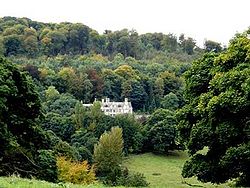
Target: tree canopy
[(217, 115), (22, 36), (23, 142)]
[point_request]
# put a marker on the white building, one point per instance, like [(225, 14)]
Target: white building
[(114, 108)]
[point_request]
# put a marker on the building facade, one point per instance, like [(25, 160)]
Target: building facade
[(114, 108)]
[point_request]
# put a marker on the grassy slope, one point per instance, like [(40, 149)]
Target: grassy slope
[(15, 182), (164, 171)]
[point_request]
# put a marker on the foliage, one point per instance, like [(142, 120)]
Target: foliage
[(20, 136), (158, 115), (129, 179), (108, 155), (162, 135), (47, 163), (217, 115), (58, 117), (22, 36), (78, 116), (63, 148), (84, 141), (143, 68), (85, 79), (187, 44), (75, 172), (61, 125), (212, 46), (132, 133), (170, 101), (161, 131)]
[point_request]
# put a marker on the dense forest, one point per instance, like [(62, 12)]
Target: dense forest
[(48, 70), (22, 36), (76, 59)]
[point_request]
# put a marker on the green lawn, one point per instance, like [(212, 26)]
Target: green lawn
[(164, 171), (15, 182)]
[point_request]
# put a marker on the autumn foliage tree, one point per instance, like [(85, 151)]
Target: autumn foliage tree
[(75, 172)]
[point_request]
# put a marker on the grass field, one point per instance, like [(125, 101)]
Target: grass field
[(15, 182), (160, 171), (164, 171)]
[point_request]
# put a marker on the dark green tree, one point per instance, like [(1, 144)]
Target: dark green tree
[(210, 45), (12, 45), (159, 115), (138, 95), (170, 101), (132, 133), (162, 135), (187, 44), (161, 131), (217, 115), (22, 140)]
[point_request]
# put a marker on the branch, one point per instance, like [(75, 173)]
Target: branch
[(29, 159)]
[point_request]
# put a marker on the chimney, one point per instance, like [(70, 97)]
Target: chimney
[(126, 100), (102, 100)]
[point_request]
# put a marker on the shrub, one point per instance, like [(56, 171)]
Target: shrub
[(75, 172), (129, 179)]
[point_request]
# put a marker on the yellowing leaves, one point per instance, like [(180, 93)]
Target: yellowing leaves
[(66, 73), (75, 172), (127, 72)]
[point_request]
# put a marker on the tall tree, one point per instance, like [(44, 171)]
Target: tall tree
[(30, 42), (108, 154), (217, 115), (22, 140), (12, 45), (187, 44)]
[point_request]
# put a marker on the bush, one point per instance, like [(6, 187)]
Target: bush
[(75, 172), (132, 179)]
